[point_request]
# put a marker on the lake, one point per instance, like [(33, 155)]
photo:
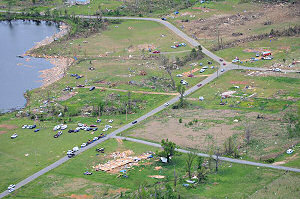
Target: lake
[(19, 74)]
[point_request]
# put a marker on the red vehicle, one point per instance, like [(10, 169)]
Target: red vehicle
[(224, 64), (190, 75), (266, 53), (156, 52), (199, 85)]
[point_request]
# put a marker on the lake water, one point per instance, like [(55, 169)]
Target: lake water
[(19, 74)]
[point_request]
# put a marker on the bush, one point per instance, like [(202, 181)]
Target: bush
[(180, 120)]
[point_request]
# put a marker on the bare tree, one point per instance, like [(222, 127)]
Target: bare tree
[(165, 62), (248, 132)]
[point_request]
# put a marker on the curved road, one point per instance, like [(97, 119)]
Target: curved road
[(194, 43)]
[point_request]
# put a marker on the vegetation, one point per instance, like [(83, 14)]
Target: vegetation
[(168, 149)]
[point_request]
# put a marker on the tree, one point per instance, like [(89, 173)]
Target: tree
[(202, 175), (100, 108), (200, 48), (293, 127), (169, 149), (200, 161), (181, 90), (189, 162), (165, 62), (217, 160)]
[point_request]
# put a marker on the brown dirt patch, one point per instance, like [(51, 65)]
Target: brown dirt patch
[(67, 96), (2, 132), (116, 191), (194, 137), (8, 126), (81, 196), (120, 141), (293, 157)]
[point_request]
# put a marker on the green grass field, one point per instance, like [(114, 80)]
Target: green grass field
[(232, 181), (271, 94), (282, 48)]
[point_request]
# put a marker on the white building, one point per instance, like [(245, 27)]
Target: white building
[(78, 2)]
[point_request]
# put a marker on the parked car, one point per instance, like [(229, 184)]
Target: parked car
[(179, 75), (110, 121), (70, 153), (11, 190), (101, 150), (63, 127), (166, 104), (87, 173), (98, 120), (156, 52), (224, 64), (14, 136), (134, 122), (199, 85), (59, 133), (164, 19), (80, 86), (205, 67), (95, 129), (92, 88), (93, 125), (70, 131), (221, 60), (190, 75), (12, 186), (83, 145), (202, 70), (36, 130), (95, 138), (222, 70)]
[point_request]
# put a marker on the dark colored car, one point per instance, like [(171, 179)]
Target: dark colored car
[(220, 59), (101, 150), (199, 85), (70, 131), (95, 129), (92, 88), (36, 130), (57, 134), (80, 85), (165, 19), (87, 173), (93, 125), (134, 122), (190, 75), (156, 52)]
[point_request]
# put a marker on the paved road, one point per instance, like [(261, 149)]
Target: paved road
[(238, 161), (194, 43)]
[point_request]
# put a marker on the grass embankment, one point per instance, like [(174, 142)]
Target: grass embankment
[(232, 181)]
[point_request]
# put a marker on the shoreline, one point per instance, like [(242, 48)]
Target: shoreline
[(60, 64)]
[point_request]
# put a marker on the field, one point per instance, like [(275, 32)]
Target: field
[(68, 180), (234, 20), (206, 122), (285, 50)]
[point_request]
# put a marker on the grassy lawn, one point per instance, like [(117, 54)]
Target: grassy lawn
[(271, 94), (128, 38), (282, 48), (232, 181)]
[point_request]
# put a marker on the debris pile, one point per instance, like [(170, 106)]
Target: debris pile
[(122, 160)]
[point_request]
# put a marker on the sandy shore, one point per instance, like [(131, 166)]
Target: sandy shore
[(60, 63)]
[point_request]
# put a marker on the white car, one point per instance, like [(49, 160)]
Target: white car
[(179, 75), (75, 148), (24, 126), (11, 190), (202, 70), (167, 104), (173, 47), (14, 136), (289, 151), (205, 67), (63, 127), (222, 70), (108, 126), (11, 186), (95, 138), (110, 121), (57, 127), (83, 145), (80, 124), (277, 70), (105, 129)]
